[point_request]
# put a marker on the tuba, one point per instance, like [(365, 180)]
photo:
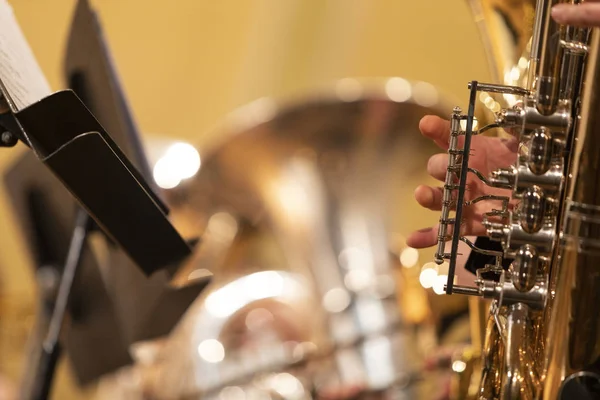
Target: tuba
[(539, 264), (314, 294)]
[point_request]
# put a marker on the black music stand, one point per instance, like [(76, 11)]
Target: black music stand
[(84, 163), (49, 217), (147, 307)]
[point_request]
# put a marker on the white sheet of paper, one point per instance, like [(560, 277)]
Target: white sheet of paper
[(19, 70)]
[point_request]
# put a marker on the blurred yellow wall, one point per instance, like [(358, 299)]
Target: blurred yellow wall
[(184, 64)]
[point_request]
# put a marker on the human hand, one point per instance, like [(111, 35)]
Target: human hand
[(585, 14), (7, 389), (347, 392), (487, 155)]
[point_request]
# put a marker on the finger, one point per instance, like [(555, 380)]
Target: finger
[(511, 143), (586, 14), (423, 238), (428, 237), (340, 393), (429, 197), (437, 166), (436, 129)]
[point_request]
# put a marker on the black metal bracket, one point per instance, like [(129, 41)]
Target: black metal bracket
[(462, 186), (10, 133), (68, 139)]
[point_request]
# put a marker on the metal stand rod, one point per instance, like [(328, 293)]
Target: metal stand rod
[(50, 350), (462, 187)]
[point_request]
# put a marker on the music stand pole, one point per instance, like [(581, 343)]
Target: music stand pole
[(50, 349)]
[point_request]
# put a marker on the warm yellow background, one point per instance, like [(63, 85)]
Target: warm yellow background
[(185, 63)]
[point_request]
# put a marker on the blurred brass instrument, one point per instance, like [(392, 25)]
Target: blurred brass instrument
[(302, 210), (543, 333)]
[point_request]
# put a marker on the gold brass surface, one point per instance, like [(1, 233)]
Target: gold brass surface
[(506, 29), (574, 330), (542, 338)]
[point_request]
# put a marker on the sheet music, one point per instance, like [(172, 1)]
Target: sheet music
[(19, 70)]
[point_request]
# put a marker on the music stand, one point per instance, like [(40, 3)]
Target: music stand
[(148, 307), (67, 138), (48, 215)]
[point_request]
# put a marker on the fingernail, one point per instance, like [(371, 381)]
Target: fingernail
[(424, 230)]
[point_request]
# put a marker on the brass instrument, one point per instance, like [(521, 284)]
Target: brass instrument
[(543, 333), (314, 292)]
